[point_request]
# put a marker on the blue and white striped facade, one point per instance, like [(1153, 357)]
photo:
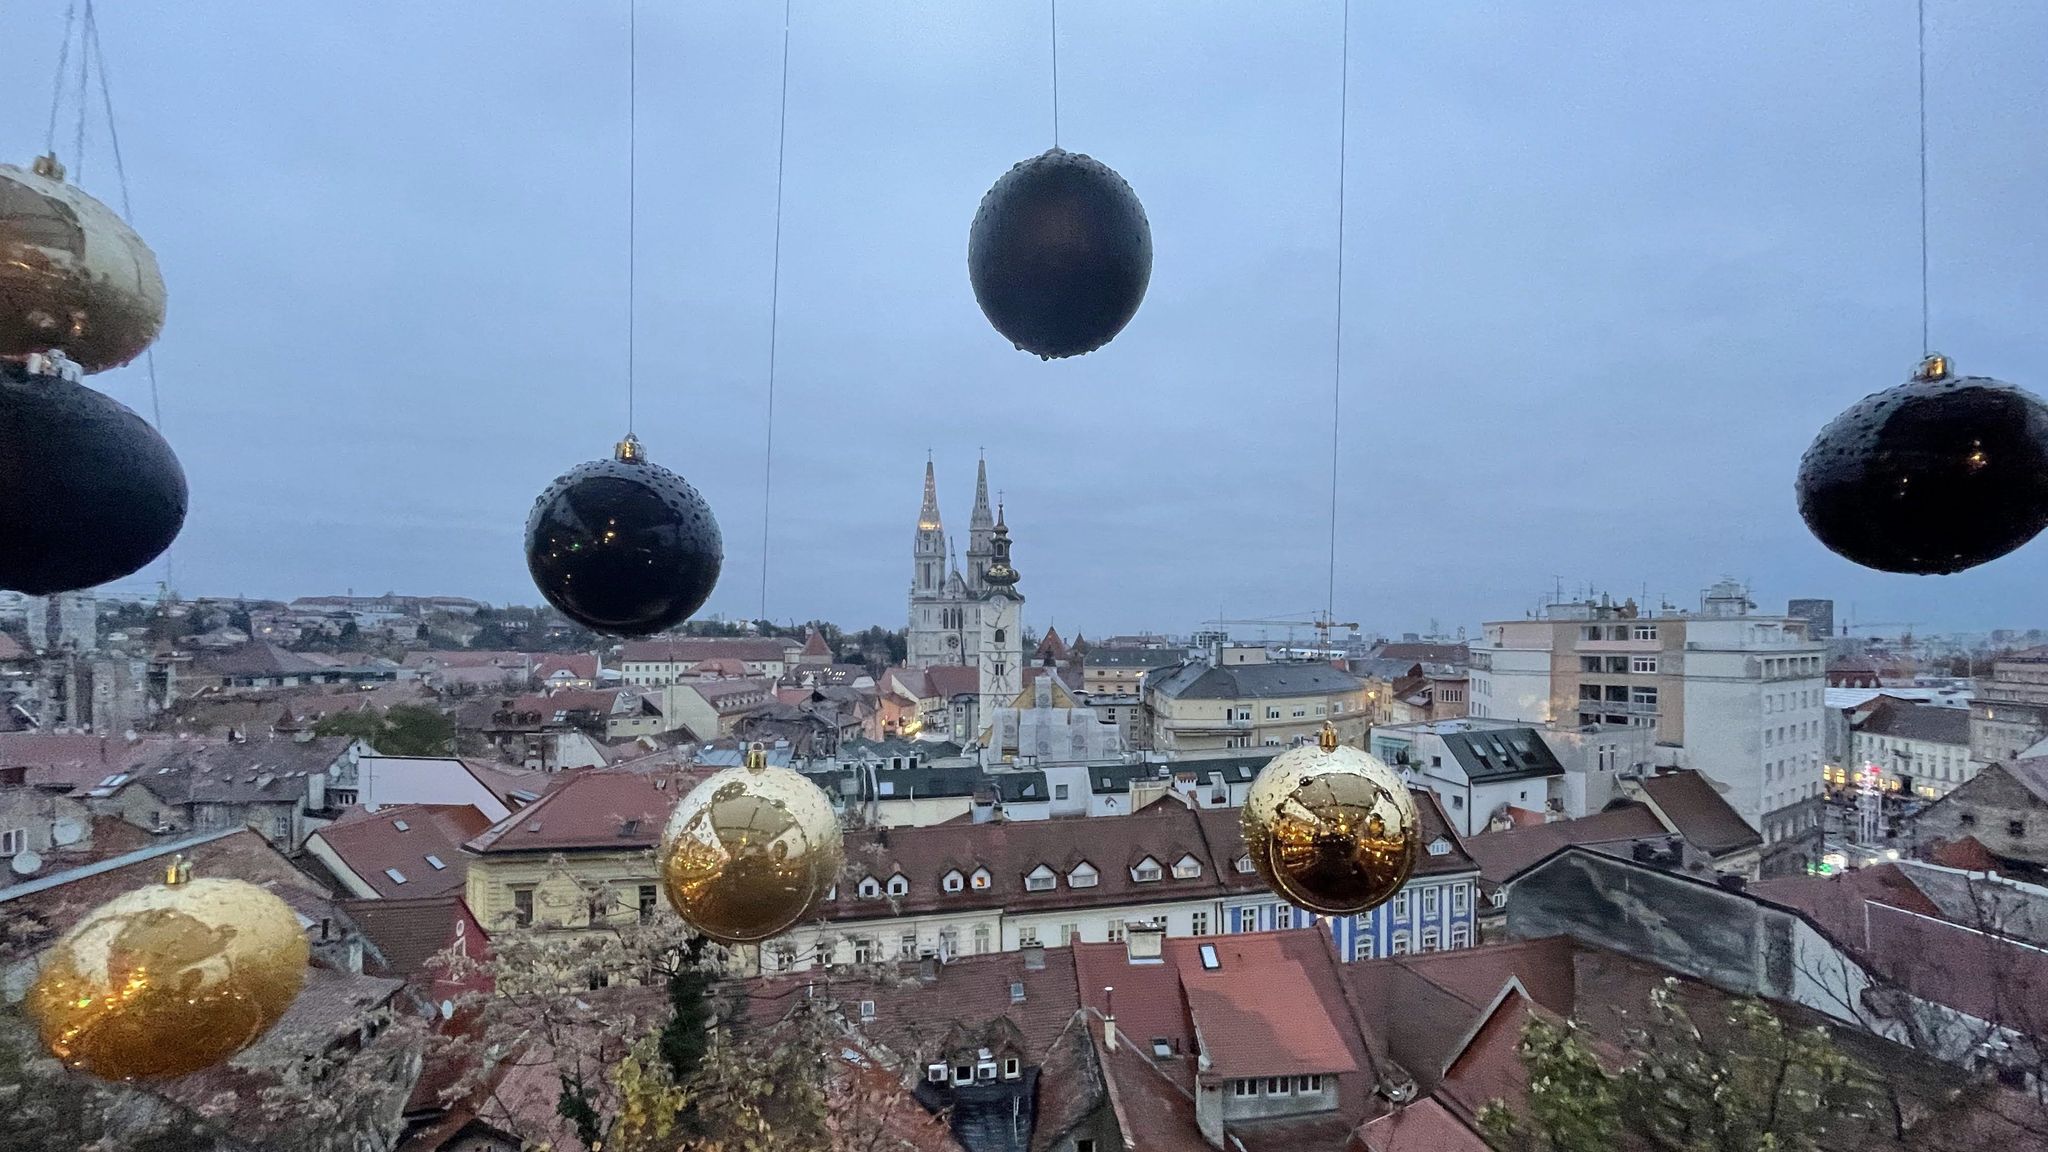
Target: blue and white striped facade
[(1431, 913)]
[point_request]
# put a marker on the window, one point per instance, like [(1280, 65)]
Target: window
[(1059, 791), (1069, 933), (1461, 897), (1244, 1087), (13, 842), (906, 946), (1279, 1086), (1040, 879), (898, 885), (1244, 864), (869, 889), (1643, 665), (2015, 827), (1085, 1144), (1116, 931), (863, 951), (1210, 961), (963, 1073), (1589, 664), (1401, 905), (1642, 696), (981, 880), (949, 942), (1363, 946), (1012, 1068), (1969, 819), (1646, 632), (1461, 935), (1300, 710), (281, 826), (1187, 868), (649, 897), (1430, 939), (1400, 947), (1307, 1084), (522, 906), (1430, 901), (1147, 871), (1272, 713), (1083, 876), (953, 882), (1198, 924), (1248, 919)]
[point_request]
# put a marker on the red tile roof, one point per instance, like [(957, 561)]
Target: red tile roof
[(1700, 814), (1154, 1113), (592, 808), (1424, 1126), (949, 680), (579, 665), (408, 932), (814, 645), (1502, 854), (1259, 1019), (402, 838), (1489, 1068), (691, 650)]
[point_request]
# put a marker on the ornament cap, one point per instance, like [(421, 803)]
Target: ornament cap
[(48, 167), (757, 757), (1327, 738), (179, 871), (630, 449), (1933, 367)]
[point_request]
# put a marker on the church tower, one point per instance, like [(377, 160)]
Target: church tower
[(981, 532), (1001, 656), (928, 580)]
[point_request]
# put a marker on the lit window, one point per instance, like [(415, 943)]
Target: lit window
[(981, 880)]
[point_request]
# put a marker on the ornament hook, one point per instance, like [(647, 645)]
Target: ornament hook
[(48, 167), (1327, 738), (1934, 367), (757, 757)]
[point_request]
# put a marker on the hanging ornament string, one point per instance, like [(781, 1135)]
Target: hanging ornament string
[(1926, 345), (1055, 72), (57, 85), (774, 313), (632, 196), (1337, 355)]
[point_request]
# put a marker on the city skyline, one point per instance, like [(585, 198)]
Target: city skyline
[(1593, 315)]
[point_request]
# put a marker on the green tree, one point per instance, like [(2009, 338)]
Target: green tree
[(1748, 1081), (403, 730)]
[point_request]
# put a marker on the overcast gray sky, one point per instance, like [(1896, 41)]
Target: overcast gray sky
[(1609, 268)]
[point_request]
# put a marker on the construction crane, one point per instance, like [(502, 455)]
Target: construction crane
[(1321, 622)]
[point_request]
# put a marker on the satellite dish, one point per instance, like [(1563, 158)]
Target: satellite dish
[(26, 862), (66, 832)]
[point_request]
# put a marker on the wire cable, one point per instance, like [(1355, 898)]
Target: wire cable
[(632, 197), (774, 312), (1926, 348), (57, 85), (1337, 357), (1055, 72)]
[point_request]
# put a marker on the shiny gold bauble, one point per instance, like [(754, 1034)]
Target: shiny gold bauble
[(169, 979), (74, 277), (750, 852), (1331, 829)]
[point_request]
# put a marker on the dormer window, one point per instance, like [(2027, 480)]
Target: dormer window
[(1040, 879), (981, 880), (953, 881), (1187, 868), (1147, 870), (1244, 863), (1083, 875), (869, 889), (898, 886), (1439, 847)]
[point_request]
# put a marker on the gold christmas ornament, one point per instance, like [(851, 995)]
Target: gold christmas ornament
[(74, 277), (750, 852), (169, 979), (1331, 829)]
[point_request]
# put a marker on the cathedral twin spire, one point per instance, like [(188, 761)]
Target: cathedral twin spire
[(984, 526)]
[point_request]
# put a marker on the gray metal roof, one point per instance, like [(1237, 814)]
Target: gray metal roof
[(1252, 681), (1502, 754), (1115, 779)]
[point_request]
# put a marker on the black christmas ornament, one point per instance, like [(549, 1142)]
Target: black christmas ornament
[(1939, 474), (1059, 254), (89, 492), (624, 546)]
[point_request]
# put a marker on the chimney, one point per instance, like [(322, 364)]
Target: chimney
[(1034, 957), (1109, 1018), (928, 969), (1145, 943)]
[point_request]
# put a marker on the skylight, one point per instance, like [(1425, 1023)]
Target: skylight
[(397, 877), (401, 825), (435, 861), (1210, 961)]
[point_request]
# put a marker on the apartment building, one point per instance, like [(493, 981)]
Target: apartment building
[(1738, 696), (1243, 699), (1921, 749), (2010, 711)]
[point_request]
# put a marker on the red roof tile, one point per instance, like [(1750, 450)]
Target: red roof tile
[(1502, 854), (403, 838), (593, 808), (578, 665), (1260, 1020), (693, 649), (949, 680), (407, 933), (1700, 814), (1424, 1126), (814, 645), (1154, 1113)]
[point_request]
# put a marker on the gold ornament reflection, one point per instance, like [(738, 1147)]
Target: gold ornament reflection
[(74, 277), (1331, 829), (750, 852), (169, 979)]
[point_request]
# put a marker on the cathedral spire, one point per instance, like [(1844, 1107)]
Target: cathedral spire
[(928, 516), (981, 520)]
